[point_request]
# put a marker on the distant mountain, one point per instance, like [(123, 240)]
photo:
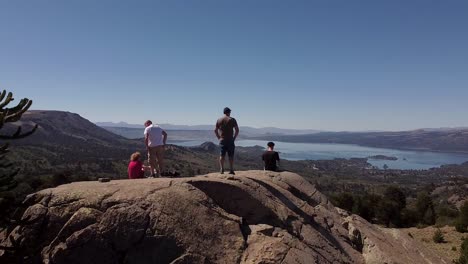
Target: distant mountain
[(64, 139), (454, 140), (275, 130), (120, 129), (165, 126), (59, 127), (173, 135), (118, 124), (444, 129)]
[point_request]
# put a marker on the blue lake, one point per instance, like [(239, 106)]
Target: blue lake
[(407, 159)]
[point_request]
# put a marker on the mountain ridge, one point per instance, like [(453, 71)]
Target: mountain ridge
[(249, 129), (66, 127), (440, 140)]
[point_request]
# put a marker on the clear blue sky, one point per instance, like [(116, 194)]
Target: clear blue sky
[(325, 64)]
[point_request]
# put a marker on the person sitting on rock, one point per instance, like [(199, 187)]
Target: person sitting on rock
[(136, 169), (270, 157)]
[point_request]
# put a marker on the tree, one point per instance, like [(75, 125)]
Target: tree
[(425, 209), (344, 201), (390, 207), (462, 222), (7, 172), (366, 205), (395, 195)]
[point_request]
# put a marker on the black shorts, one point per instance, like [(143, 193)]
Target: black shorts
[(227, 146)]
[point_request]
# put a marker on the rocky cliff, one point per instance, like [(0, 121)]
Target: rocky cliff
[(252, 217)]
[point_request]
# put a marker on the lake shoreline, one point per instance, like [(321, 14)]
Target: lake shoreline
[(406, 158)]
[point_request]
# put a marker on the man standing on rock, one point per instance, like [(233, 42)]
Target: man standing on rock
[(224, 132), (155, 139)]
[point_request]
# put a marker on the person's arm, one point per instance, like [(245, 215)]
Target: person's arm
[(164, 137), (216, 131), (129, 172), (141, 170), (278, 159), (236, 129), (146, 141), (263, 158)]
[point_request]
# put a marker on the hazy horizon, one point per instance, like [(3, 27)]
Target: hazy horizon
[(302, 129), (324, 65)]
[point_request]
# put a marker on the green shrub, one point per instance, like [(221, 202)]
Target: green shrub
[(463, 253), (438, 237), (344, 201), (462, 222), (409, 217), (448, 210), (460, 227)]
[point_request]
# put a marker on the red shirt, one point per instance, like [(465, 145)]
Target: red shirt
[(135, 170)]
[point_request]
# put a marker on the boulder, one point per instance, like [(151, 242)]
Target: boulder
[(252, 217)]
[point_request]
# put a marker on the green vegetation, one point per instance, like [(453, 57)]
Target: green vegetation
[(462, 221), (7, 168), (391, 206), (386, 209), (425, 209), (392, 210), (446, 214), (438, 237), (463, 253)]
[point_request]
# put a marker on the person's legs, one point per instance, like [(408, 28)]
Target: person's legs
[(221, 163), (222, 156), (160, 159), (152, 159), (231, 165), (231, 157)]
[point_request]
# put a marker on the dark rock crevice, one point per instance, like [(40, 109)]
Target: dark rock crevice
[(237, 201)]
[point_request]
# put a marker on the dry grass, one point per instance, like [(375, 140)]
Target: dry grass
[(453, 239)]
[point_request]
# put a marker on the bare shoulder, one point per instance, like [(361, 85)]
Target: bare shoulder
[(234, 121)]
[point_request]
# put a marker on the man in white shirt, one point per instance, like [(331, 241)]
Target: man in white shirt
[(155, 139)]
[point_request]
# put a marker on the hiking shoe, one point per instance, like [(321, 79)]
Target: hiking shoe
[(232, 172), (221, 171)]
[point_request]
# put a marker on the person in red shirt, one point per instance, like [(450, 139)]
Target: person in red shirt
[(136, 169)]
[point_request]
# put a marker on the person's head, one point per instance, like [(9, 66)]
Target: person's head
[(271, 145), (227, 111), (148, 123), (135, 156)]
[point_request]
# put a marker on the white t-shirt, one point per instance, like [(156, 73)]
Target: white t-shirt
[(155, 136)]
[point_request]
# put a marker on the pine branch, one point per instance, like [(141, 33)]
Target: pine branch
[(18, 110), (18, 135), (2, 95), (8, 99)]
